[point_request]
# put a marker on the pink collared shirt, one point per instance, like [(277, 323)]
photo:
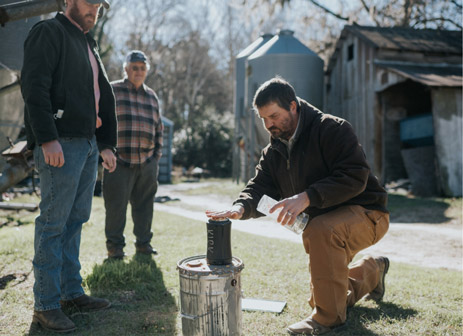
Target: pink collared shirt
[(95, 70)]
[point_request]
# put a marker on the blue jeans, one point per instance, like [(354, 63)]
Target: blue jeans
[(66, 200)]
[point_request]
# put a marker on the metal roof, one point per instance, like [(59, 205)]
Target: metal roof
[(409, 39), (441, 43), (255, 45), (282, 43), (437, 75)]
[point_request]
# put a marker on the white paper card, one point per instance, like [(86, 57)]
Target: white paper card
[(262, 305)]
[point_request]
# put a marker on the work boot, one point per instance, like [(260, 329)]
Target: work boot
[(116, 253), (310, 327), (86, 303), (53, 320), (145, 249), (378, 293)]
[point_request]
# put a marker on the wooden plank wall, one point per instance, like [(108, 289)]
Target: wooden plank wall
[(447, 120), (351, 94)]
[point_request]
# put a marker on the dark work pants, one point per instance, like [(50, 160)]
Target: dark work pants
[(137, 185)]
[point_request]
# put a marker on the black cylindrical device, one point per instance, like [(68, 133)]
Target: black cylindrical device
[(218, 242)]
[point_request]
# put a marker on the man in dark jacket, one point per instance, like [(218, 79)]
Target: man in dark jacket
[(70, 119), (314, 164)]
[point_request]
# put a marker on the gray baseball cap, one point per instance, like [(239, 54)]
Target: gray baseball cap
[(103, 2)]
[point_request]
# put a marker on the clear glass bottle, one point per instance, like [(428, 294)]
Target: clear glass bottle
[(266, 203), (299, 224)]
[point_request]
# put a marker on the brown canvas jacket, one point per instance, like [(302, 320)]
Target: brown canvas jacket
[(326, 161)]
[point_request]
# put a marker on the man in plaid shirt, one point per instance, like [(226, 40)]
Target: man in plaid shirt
[(139, 144)]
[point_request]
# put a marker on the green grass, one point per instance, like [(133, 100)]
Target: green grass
[(144, 291), (411, 209)]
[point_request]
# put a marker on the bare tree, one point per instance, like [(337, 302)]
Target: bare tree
[(318, 23), (182, 76), (404, 13), (178, 39), (192, 43)]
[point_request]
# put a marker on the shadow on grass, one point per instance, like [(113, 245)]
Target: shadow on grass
[(17, 278), (4, 280), (359, 316), (141, 304), (417, 210)]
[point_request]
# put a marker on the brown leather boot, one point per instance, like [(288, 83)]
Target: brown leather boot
[(86, 303), (116, 253), (53, 320), (146, 249), (309, 326), (377, 294)]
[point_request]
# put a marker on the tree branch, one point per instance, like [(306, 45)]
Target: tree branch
[(457, 4), (437, 19), (371, 11), (329, 11)]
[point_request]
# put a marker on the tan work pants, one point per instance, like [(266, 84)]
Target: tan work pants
[(332, 240)]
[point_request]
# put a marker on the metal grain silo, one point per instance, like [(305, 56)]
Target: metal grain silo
[(240, 103), (240, 72), (286, 56)]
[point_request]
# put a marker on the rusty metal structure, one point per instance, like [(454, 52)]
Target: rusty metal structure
[(26, 9), (20, 164), (16, 18)]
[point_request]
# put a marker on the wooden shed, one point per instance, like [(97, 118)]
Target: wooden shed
[(401, 89)]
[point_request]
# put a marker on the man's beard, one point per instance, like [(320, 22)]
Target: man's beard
[(279, 133), (284, 131), (83, 20)]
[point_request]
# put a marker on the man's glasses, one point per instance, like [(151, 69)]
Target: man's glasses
[(136, 68)]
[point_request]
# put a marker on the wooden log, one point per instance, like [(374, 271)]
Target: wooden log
[(18, 206)]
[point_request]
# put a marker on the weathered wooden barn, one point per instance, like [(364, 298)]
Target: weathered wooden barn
[(401, 89)]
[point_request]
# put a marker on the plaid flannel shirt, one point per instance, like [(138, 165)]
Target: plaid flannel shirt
[(139, 134)]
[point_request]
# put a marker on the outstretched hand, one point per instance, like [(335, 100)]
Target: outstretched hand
[(236, 212), (291, 207)]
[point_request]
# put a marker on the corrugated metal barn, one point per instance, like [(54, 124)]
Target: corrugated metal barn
[(401, 89)]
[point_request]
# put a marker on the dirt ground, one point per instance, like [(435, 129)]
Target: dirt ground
[(421, 244)]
